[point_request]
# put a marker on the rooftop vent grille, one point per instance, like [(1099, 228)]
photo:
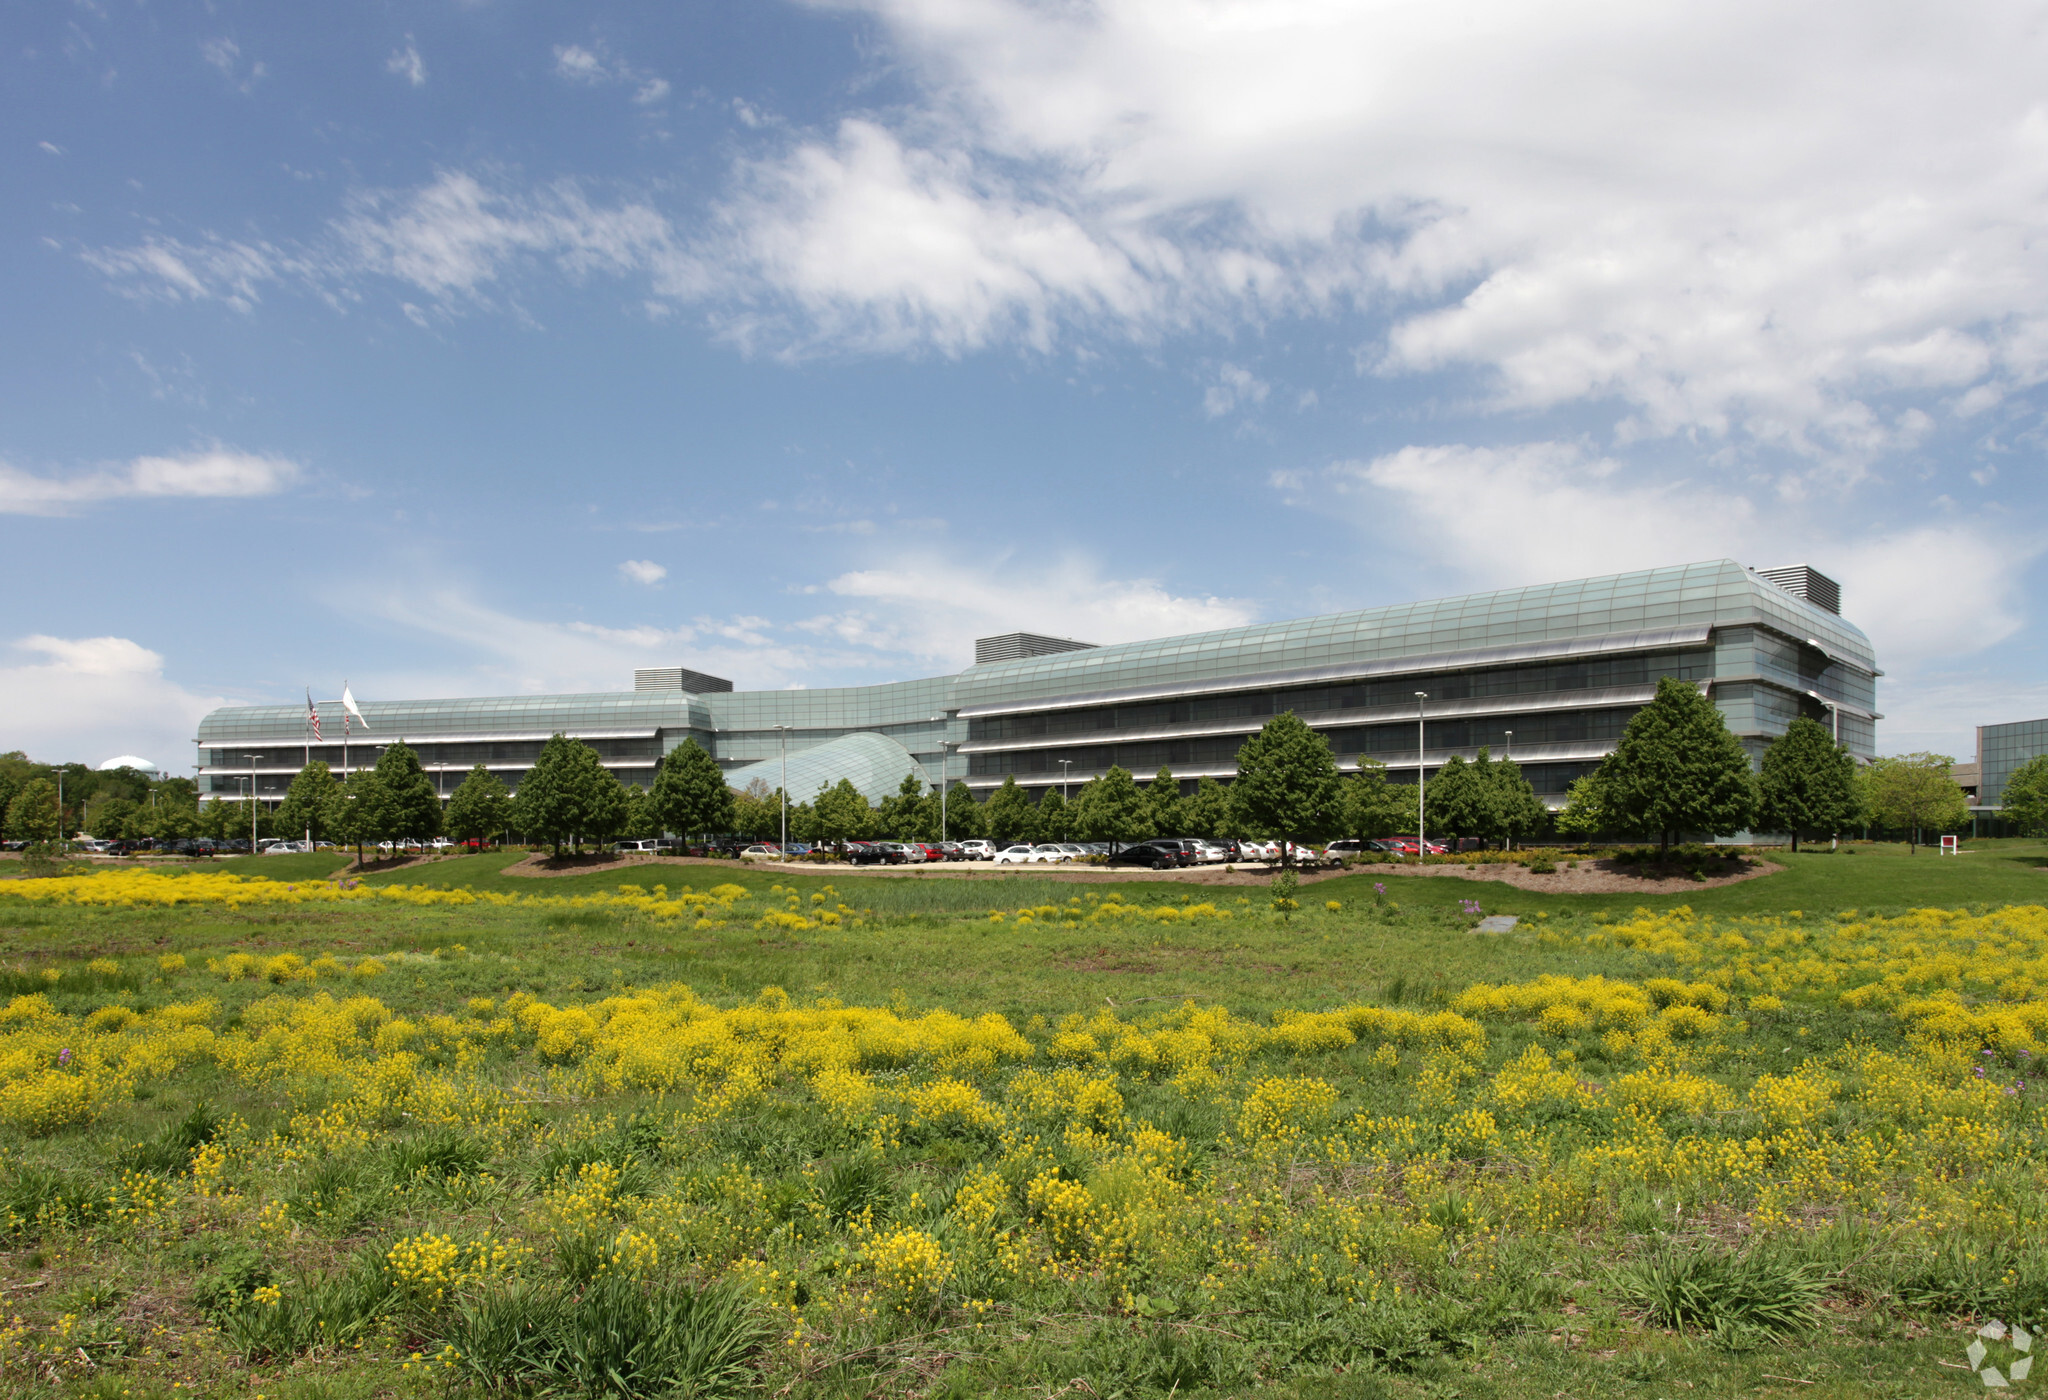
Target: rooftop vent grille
[(1803, 582), (1014, 646), (679, 678)]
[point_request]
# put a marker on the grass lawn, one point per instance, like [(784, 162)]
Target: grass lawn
[(1207, 1150)]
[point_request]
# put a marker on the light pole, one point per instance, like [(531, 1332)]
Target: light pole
[(252, 757), (1507, 750), (1421, 745), (1065, 764), (782, 734), (946, 747)]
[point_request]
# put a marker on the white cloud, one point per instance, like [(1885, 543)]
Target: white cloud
[(934, 608), (212, 473), (579, 65), (408, 64), (1234, 386), (1498, 517), (643, 571), (87, 698), (225, 55)]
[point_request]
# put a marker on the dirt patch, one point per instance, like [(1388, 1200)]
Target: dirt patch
[(1106, 961), (1592, 876)]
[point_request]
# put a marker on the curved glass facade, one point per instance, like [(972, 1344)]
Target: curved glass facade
[(1549, 674)]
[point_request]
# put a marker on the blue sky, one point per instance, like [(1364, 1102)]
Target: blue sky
[(474, 348)]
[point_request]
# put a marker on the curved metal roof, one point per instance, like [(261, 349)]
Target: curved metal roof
[(874, 763)]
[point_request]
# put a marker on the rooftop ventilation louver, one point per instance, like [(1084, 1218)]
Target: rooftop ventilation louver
[(1014, 646), (1803, 582)]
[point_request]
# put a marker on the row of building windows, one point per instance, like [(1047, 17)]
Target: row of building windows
[(276, 785), (1535, 679), (1559, 727), (363, 754)]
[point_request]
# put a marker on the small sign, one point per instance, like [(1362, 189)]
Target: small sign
[(1951, 845)]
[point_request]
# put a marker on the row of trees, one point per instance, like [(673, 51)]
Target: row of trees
[(1678, 769), (118, 803)]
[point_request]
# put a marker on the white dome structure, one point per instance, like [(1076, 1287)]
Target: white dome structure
[(128, 760)]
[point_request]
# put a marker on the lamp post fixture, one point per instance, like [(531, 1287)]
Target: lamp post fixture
[(252, 757), (782, 734), (1834, 713), (1065, 764), (1421, 745), (1507, 750)]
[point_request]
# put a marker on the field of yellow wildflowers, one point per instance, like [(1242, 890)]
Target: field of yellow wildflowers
[(307, 1139)]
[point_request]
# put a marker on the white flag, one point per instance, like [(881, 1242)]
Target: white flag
[(348, 703)]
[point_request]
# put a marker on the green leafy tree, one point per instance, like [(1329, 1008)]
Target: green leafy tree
[(640, 822), (1808, 783), (1111, 808), (842, 814), (1915, 793), (1460, 800), (757, 812), (1515, 809), (1009, 814), (690, 796), (32, 815), (173, 812), (1168, 810), (11, 783), (1206, 811), (1287, 785), (113, 819), (481, 807), (1585, 810), (1678, 769), (965, 819), (308, 805), (411, 809), (551, 797), (2024, 802), (1373, 807), (897, 816), (607, 805), (358, 814), (1052, 818)]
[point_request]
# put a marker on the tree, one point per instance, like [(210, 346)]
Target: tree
[(1808, 782), (840, 813), (1516, 809), (1585, 810), (1459, 799), (411, 809), (1163, 799), (550, 800), (308, 805), (357, 812), (1287, 784), (1111, 808), (1009, 814), (113, 819), (1678, 769), (481, 807), (1373, 807), (11, 783), (897, 816), (2025, 800), (1052, 818), (964, 818), (32, 815), (690, 796), (757, 812), (1206, 811), (173, 813), (1915, 792), (607, 805)]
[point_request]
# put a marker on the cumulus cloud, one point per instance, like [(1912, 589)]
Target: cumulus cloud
[(213, 473), (1234, 385), (82, 698), (1503, 516), (642, 571)]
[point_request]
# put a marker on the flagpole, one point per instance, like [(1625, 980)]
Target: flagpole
[(344, 734)]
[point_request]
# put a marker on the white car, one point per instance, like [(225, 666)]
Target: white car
[(1075, 852), (288, 848), (1051, 853), (978, 850), (1214, 853), (440, 843), (1019, 855), (1260, 850)]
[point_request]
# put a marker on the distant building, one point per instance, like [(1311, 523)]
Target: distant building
[(1549, 675), (2001, 749)]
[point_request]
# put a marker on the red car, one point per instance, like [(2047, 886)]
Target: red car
[(1405, 845)]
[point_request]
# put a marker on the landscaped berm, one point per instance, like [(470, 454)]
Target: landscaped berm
[(291, 1138)]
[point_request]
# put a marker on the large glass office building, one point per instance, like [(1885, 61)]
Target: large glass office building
[(1548, 675)]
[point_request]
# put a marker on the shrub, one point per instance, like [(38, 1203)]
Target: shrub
[(1740, 1298)]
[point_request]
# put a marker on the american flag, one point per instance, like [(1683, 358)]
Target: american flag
[(312, 714)]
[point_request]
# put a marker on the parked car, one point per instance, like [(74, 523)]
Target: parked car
[(1019, 855), (1148, 855), (1076, 851), (1051, 853), (637, 846), (977, 850), (288, 848), (1216, 852), (440, 843), (924, 851)]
